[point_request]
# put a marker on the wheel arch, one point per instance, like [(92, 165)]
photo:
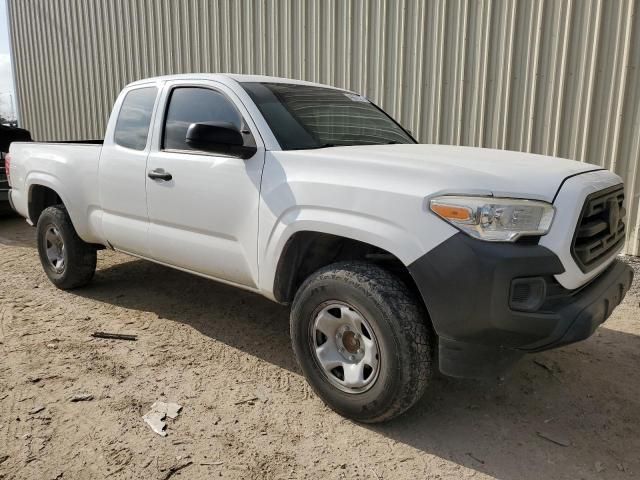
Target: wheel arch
[(41, 195), (306, 251)]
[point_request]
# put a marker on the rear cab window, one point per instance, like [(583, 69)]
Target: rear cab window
[(134, 119)]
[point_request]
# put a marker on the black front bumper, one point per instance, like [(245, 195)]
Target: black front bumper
[(466, 286)]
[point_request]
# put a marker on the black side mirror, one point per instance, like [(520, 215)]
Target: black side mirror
[(219, 137)]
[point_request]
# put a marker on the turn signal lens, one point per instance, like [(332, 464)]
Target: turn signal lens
[(451, 212)]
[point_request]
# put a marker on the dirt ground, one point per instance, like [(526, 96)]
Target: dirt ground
[(224, 355)]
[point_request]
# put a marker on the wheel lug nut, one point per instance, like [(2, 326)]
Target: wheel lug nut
[(339, 334), (351, 357)]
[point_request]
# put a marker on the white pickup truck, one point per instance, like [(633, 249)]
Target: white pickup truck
[(397, 258)]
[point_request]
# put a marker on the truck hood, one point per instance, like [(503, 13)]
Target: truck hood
[(452, 169)]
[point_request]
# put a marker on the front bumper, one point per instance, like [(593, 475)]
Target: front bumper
[(466, 285)]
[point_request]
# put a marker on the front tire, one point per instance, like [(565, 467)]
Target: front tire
[(68, 261), (362, 341)]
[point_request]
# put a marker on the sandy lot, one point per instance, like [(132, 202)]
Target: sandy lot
[(225, 356)]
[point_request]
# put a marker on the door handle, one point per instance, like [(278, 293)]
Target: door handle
[(159, 174)]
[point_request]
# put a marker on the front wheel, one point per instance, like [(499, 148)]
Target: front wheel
[(68, 261), (362, 341)]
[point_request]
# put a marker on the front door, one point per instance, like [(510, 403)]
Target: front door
[(203, 208)]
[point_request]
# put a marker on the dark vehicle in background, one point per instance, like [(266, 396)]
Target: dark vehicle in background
[(7, 136)]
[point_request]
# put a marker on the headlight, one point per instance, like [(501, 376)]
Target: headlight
[(494, 219)]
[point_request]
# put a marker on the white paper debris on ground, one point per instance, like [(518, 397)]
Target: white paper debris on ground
[(172, 409), (155, 417), (156, 421)]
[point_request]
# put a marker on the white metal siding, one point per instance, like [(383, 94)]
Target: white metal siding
[(558, 77)]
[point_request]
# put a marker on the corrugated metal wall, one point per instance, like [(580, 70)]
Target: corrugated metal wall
[(557, 77)]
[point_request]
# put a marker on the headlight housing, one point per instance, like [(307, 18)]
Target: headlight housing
[(494, 219)]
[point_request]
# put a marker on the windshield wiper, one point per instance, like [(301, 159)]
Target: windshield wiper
[(324, 145)]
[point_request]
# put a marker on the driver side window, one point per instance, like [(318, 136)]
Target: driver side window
[(189, 105)]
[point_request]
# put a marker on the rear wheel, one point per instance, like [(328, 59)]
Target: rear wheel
[(362, 340), (68, 261)]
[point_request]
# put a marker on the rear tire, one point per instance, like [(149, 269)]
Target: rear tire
[(353, 312), (68, 261)]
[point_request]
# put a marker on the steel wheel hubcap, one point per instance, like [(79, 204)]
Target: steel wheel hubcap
[(54, 246), (345, 348)]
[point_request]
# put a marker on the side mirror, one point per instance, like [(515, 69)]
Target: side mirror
[(218, 137)]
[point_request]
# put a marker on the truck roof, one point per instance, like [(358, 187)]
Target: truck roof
[(228, 78)]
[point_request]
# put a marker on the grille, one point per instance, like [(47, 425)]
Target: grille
[(3, 176), (601, 228)]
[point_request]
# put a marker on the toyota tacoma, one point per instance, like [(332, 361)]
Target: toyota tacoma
[(398, 258)]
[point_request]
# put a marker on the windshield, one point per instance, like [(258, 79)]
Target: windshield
[(303, 116)]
